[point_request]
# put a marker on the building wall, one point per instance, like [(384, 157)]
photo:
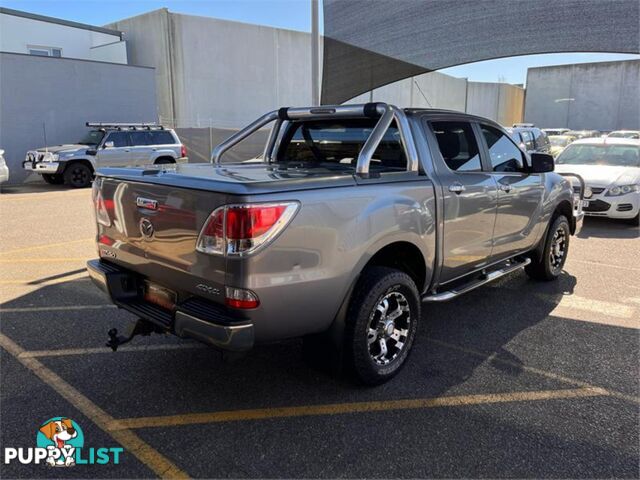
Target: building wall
[(600, 96), (61, 95), (18, 33), (217, 72), (215, 76), (500, 102)]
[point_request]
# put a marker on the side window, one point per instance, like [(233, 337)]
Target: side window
[(458, 146), (119, 139), (527, 138), (540, 139), (139, 138), (161, 137), (505, 156)]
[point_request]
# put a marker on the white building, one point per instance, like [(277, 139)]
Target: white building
[(31, 34)]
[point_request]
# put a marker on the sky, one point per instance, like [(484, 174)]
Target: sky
[(291, 14)]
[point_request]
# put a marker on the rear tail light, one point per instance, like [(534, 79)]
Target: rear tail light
[(243, 229), (240, 298), (183, 151), (103, 209)]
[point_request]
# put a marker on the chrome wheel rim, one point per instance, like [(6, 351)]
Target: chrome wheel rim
[(558, 249), (388, 328)]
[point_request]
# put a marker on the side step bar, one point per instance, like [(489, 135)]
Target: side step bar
[(489, 277)]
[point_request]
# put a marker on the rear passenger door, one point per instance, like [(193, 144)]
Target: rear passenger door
[(140, 147), (519, 194), (470, 197)]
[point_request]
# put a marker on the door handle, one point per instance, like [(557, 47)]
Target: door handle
[(457, 187), (505, 187)]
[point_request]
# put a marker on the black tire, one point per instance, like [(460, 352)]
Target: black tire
[(164, 161), (635, 221), (363, 349), (78, 175), (53, 179), (554, 253)]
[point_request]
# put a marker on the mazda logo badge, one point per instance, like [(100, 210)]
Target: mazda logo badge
[(146, 228)]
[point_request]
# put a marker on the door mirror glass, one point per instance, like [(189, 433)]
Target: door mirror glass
[(108, 144), (541, 163)]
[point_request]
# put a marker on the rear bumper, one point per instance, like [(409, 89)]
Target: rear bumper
[(193, 317)]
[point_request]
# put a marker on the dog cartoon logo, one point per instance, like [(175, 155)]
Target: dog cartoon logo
[(61, 437)]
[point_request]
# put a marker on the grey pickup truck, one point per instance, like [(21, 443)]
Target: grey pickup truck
[(349, 221)]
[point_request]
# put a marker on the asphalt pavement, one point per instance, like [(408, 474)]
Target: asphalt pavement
[(515, 379)]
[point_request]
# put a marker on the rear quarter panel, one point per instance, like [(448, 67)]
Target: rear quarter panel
[(303, 277)]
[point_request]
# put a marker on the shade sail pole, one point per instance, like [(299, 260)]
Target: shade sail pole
[(315, 53)]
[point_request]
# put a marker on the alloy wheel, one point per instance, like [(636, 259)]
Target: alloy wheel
[(558, 249), (388, 328)]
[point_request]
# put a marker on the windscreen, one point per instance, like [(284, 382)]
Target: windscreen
[(559, 141), (611, 155), (92, 137), (336, 144)]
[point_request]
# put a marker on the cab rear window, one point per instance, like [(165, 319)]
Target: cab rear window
[(336, 144)]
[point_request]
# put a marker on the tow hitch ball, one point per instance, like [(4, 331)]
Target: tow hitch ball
[(141, 327)]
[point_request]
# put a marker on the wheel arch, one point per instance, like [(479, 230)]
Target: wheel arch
[(385, 255), (167, 157), (84, 161)]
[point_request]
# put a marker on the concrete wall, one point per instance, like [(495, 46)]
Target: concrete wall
[(17, 34), (430, 90), (214, 76), (501, 102), (64, 94), (218, 72), (498, 101), (600, 96)]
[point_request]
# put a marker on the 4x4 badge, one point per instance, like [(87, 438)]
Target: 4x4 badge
[(147, 203)]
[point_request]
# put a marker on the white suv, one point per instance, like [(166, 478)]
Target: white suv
[(106, 145)]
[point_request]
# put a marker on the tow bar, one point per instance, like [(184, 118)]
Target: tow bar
[(141, 327)]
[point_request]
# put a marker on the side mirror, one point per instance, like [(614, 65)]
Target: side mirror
[(108, 145), (541, 163)]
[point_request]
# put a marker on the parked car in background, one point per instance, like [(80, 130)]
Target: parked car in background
[(530, 139), (106, 145), (610, 168), (635, 134), (559, 143), (356, 215), (555, 131), (579, 134), (4, 170)]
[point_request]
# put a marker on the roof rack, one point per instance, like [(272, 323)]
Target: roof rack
[(125, 126)]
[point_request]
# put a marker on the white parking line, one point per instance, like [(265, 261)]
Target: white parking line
[(599, 264), (63, 352), (56, 309), (610, 309)]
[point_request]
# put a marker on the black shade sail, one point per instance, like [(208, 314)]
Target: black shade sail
[(370, 43)]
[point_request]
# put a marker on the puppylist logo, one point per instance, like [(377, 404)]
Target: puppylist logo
[(60, 443)]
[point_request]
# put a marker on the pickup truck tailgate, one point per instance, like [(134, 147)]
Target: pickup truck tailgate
[(152, 230)]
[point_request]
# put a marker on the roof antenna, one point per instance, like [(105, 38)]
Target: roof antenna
[(422, 93), (44, 134)]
